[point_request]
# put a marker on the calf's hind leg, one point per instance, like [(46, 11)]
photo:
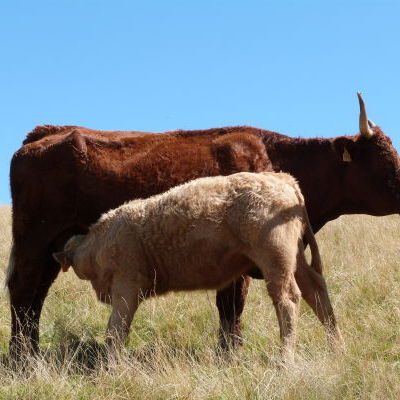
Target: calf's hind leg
[(285, 295)]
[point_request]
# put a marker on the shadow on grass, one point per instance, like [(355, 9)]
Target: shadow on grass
[(73, 356), (77, 356)]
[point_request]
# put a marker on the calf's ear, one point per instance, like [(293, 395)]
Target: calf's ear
[(64, 259)]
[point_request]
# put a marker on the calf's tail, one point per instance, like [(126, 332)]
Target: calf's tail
[(316, 262)]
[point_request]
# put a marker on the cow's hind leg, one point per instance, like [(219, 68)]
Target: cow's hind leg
[(28, 282), (230, 303), (314, 291)]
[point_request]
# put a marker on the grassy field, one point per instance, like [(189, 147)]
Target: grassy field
[(171, 352)]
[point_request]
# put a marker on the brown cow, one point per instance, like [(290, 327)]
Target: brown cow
[(199, 235), (64, 178)]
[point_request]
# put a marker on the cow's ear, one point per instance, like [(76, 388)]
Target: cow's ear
[(64, 259), (345, 149), (346, 157)]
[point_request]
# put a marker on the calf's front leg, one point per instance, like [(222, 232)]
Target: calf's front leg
[(124, 305)]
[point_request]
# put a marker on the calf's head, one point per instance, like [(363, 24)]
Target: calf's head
[(66, 257), (370, 169)]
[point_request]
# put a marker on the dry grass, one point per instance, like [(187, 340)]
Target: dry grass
[(171, 353)]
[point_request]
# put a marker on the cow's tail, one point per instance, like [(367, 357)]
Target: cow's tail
[(10, 266), (316, 261)]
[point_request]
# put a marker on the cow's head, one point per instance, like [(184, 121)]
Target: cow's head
[(66, 257), (371, 169)]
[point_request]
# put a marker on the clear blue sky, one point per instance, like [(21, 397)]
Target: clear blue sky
[(289, 66)]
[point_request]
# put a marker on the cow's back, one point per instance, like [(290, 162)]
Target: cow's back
[(63, 178)]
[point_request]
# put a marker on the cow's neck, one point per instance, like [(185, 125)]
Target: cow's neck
[(319, 170)]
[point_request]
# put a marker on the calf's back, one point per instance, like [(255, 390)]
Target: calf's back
[(200, 235)]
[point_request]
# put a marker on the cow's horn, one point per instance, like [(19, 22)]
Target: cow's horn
[(365, 125)]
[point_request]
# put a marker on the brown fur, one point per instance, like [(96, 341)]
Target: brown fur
[(198, 236), (64, 178)]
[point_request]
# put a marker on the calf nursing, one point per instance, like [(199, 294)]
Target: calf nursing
[(203, 234)]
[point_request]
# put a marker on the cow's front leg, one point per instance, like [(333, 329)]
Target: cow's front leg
[(314, 291), (124, 306), (230, 303)]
